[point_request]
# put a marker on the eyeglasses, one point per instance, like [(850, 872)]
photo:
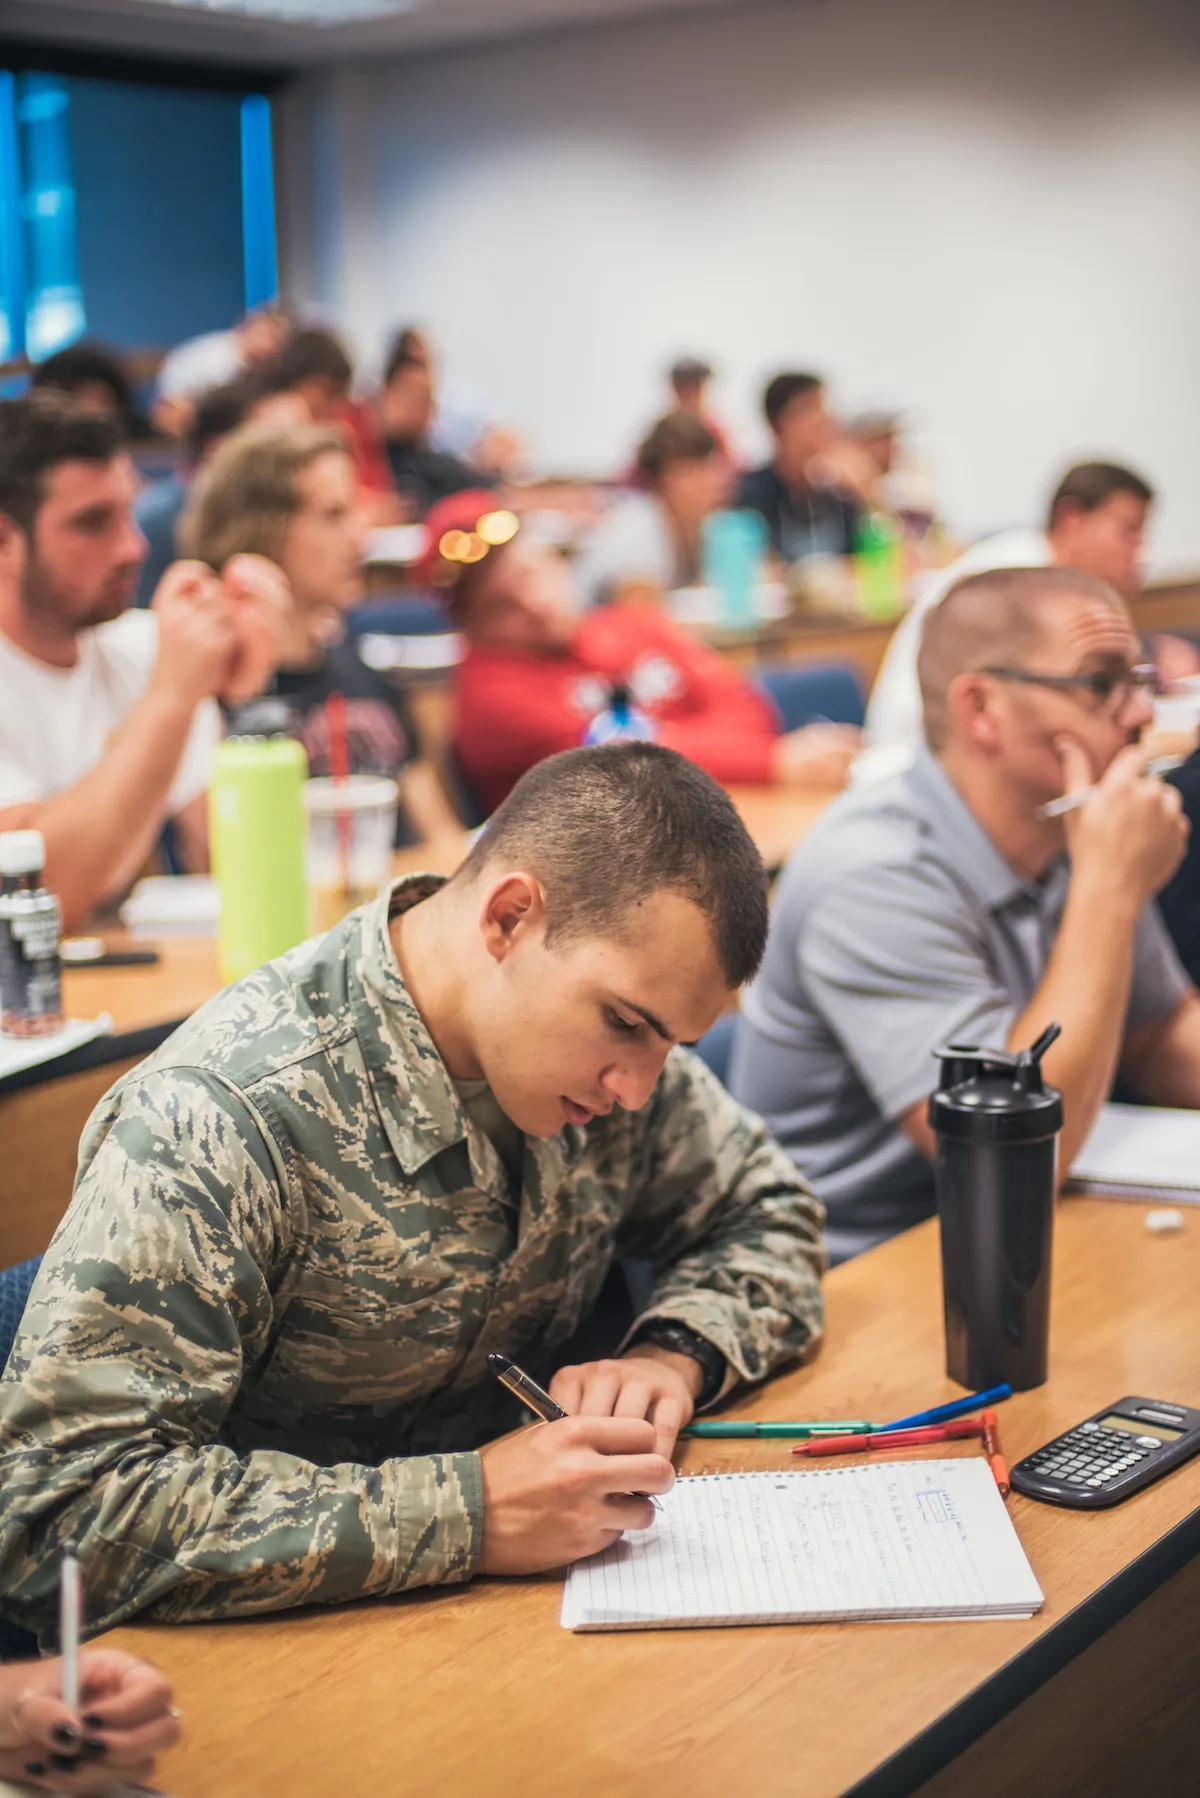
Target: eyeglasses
[(1109, 692)]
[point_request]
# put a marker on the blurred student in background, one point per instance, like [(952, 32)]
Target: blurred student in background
[(314, 368), (1097, 521), (804, 518), (460, 425), (290, 494), (940, 907), (423, 474), (220, 411), (536, 675), (652, 536), (689, 380), (108, 717), (214, 358)]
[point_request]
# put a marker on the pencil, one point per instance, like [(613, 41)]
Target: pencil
[(1070, 802)]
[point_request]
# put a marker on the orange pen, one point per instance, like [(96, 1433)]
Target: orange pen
[(992, 1449)]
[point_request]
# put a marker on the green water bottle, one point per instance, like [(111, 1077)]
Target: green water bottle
[(879, 565), (256, 831)]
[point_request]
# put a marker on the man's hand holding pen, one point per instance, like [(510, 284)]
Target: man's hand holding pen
[(559, 1491), (574, 1483)]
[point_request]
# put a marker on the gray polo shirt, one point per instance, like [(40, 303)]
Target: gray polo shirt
[(897, 927)]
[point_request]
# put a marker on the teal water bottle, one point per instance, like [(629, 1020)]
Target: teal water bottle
[(256, 832), (733, 547), (879, 565)]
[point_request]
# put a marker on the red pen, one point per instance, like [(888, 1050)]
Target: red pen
[(958, 1430), (994, 1453)]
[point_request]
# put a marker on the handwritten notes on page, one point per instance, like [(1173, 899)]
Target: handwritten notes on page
[(900, 1539)]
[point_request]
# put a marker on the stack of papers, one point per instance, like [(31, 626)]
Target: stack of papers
[(1142, 1151), (175, 905), (900, 1539), (20, 1052)]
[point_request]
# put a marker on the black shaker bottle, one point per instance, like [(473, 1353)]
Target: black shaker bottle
[(996, 1124)]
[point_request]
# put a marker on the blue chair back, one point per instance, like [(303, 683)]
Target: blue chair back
[(715, 1045), (15, 1283), (810, 695), (400, 615), (465, 799)]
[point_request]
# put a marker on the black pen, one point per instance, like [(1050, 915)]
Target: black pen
[(539, 1401), (527, 1390)]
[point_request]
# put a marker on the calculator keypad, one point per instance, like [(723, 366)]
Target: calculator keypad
[(1092, 1456)]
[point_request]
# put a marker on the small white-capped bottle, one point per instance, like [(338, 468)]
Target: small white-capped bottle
[(30, 939)]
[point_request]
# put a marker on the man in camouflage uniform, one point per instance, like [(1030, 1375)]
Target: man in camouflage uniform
[(252, 1372)]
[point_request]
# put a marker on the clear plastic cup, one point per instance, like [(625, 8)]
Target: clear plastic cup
[(351, 832)]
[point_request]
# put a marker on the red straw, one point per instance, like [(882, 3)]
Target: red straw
[(339, 767)]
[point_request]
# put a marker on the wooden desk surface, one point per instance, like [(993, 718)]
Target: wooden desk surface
[(477, 1689)]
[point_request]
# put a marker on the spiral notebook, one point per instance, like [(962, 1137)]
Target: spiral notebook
[(899, 1539), (1141, 1151)]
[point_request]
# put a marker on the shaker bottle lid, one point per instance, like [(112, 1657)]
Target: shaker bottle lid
[(995, 1096), (21, 852)]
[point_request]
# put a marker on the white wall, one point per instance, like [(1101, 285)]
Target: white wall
[(986, 212)]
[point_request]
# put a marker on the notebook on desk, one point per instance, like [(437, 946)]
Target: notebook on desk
[(1141, 1151), (900, 1539)]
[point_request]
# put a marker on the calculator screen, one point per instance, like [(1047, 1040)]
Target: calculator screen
[(1141, 1428)]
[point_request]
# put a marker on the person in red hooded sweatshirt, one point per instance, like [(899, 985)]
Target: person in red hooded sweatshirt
[(536, 673)]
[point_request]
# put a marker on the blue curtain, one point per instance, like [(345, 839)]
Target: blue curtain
[(54, 310)]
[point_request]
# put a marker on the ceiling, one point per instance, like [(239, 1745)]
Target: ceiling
[(220, 30)]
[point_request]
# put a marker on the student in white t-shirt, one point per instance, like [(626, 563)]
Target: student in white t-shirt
[(108, 717), (1097, 522)]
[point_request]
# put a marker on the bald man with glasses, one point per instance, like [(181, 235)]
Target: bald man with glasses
[(942, 905)]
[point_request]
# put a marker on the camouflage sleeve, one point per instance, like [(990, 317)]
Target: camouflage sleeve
[(732, 1230), (156, 1291)]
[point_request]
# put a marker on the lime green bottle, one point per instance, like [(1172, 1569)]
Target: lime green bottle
[(256, 837), (879, 565)]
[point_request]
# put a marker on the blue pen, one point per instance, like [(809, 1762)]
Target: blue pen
[(959, 1408)]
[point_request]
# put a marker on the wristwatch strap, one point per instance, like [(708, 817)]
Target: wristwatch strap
[(664, 1332)]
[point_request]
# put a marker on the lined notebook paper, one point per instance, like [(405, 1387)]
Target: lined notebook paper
[(900, 1539), (1142, 1150)]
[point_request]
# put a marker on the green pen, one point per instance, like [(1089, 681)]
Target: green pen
[(855, 1427)]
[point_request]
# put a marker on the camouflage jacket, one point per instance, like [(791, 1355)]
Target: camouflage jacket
[(252, 1371)]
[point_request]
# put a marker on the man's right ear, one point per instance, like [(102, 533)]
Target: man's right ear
[(13, 548)]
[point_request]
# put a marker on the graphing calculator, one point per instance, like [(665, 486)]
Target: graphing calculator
[(1111, 1456)]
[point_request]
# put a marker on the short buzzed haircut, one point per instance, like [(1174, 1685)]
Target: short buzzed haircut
[(992, 620), (1087, 486), (603, 829), (245, 496), (783, 389), (37, 432)]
